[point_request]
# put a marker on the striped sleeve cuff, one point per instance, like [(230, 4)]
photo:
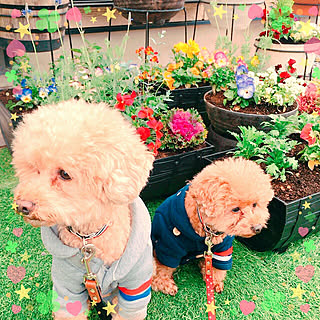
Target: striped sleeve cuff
[(222, 260), (135, 294)]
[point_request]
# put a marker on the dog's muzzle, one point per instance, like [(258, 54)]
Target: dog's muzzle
[(25, 207), (257, 229)]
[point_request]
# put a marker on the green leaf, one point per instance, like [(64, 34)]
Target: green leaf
[(265, 42)]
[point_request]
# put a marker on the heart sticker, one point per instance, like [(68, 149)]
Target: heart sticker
[(16, 274), (17, 231), (305, 308), (15, 48), (15, 309), (255, 12), (73, 14), (74, 308), (15, 13), (305, 273), (303, 231), (247, 307), (313, 11)]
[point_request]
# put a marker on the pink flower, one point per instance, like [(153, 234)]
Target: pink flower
[(221, 59), (307, 134)]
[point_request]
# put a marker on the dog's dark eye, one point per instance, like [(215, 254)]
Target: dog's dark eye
[(254, 205), (64, 175), (236, 209)]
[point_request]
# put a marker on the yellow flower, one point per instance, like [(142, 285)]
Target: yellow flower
[(199, 65), (171, 67), (195, 71), (169, 80), (255, 61), (179, 65), (181, 47), (193, 49)]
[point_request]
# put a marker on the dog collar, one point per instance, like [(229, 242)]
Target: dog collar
[(86, 237), (207, 229)]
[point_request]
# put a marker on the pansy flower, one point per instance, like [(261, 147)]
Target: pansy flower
[(221, 59), (125, 100), (245, 86), (23, 83), (43, 92), (52, 88), (307, 134), (26, 95)]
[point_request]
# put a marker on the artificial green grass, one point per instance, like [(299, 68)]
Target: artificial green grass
[(264, 278)]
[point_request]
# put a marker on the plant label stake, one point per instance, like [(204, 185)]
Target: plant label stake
[(209, 280)]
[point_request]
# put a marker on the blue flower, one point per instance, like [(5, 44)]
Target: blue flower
[(23, 83), (245, 87), (25, 12), (52, 88), (241, 69), (53, 80), (26, 96)]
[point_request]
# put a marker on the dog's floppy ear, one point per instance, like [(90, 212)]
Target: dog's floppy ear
[(124, 182)]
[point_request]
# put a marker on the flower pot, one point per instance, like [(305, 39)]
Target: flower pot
[(228, 24), (189, 98), (138, 8), (171, 173), (289, 221), (223, 120), (283, 52), (40, 37)]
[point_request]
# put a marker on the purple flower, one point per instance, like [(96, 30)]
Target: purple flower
[(245, 87), (241, 69)]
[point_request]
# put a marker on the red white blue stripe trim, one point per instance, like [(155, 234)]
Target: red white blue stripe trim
[(135, 294), (224, 255)]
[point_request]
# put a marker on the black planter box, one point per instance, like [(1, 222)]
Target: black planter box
[(190, 98), (171, 173), (288, 220)]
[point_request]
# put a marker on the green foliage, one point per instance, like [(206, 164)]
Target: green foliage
[(281, 126), (221, 78), (224, 43)]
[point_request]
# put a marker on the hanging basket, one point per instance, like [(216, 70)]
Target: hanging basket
[(165, 9)]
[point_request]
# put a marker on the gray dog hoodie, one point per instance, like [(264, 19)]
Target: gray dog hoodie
[(129, 277)]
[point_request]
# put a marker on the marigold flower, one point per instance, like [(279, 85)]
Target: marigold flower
[(154, 59)]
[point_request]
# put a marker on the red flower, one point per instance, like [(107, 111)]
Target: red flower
[(291, 15), (306, 134), (154, 124), (292, 70), (125, 100), (278, 67), (285, 30), (284, 75), (138, 51), (145, 113), (144, 133), (148, 50), (154, 59), (291, 62)]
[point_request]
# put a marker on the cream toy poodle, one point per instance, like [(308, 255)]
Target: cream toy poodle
[(227, 198), (81, 168)]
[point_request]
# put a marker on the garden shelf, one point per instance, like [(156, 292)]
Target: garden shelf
[(171, 173), (289, 221)]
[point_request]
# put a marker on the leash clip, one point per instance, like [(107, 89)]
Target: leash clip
[(88, 250), (209, 243)]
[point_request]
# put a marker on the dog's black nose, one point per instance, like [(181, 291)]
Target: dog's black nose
[(25, 207), (256, 229)]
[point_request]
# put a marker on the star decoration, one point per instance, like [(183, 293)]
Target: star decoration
[(24, 66), (93, 303), (110, 14), (295, 256), (211, 307), (93, 19), (23, 30), (14, 206), (235, 17), (219, 11), (306, 205), (25, 256), (227, 302), (306, 27), (297, 292), (23, 292), (110, 308)]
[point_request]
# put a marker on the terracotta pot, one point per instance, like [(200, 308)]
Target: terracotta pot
[(223, 120), (168, 8)]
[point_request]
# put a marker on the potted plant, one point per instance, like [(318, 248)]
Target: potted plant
[(244, 98), (286, 37), (183, 146)]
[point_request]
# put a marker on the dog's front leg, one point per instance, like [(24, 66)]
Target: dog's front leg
[(218, 278), (162, 279)]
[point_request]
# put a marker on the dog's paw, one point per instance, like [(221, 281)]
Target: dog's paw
[(218, 286), (166, 286)]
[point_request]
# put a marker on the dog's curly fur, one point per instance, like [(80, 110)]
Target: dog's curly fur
[(216, 190), (108, 163)]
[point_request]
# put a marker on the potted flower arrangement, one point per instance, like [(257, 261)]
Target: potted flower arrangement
[(286, 37), (244, 98), (290, 153), (183, 146)]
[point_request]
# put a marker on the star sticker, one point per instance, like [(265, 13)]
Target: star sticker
[(235, 17), (306, 205), (110, 14), (23, 292), (306, 27), (227, 302), (25, 256), (211, 307), (295, 256), (297, 292), (110, 308), (93, 303), (23, 30), (219, 11), (14, 206), (93, 19), (24, 66)]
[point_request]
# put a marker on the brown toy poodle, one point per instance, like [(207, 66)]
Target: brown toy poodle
[(227, 198)]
